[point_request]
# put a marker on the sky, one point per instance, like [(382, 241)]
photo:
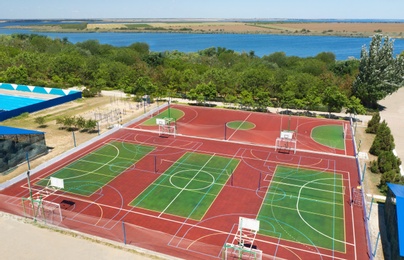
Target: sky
[(247, 9)]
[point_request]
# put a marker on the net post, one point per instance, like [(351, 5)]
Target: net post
[(30, 195)]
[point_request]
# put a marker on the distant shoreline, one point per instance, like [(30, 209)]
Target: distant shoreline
[(212, 26)]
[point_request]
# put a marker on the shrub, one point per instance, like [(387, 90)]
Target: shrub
[(387, 161), (389, 177), (374, 167), (40, 120), (384, 140), (373, 124)]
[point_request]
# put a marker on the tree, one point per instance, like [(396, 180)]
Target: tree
[(388, 177), (17, 75), (334, 99), (69, 121), (81, 122), (380, 74), (355, 107), (384, 140), (387, 161), (373, 123), (40, 120), (91, 124), (208, 91)]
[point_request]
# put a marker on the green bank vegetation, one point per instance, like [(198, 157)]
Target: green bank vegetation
[(214, 74)]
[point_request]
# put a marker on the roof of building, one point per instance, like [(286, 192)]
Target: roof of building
[(8, 130), (398, 191)]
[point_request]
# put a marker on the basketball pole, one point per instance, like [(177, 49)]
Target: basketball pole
[(259, 181), (169, 114), (155, 164), (225, 129), (231, 179)]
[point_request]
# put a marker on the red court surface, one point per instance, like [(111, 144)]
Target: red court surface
[(107, 212)]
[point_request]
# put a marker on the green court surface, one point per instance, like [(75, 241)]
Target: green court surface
[(91, 172), (189, 186), (240, 125), (329, 135), (305, 206), (168, 113)]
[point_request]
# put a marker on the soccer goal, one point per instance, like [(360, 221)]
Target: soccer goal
[(286, 142), (243, 246), (167, 126), (40, 209)]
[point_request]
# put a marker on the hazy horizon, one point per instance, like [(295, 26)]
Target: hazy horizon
[(196, 9)]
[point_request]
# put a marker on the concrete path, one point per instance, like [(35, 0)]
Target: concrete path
[(393, 113), (24, 240)]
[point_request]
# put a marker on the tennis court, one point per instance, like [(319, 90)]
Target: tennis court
[(183, 193)]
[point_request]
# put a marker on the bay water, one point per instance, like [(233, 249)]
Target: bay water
[(260, 44)]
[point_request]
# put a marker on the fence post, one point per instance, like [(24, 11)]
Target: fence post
[(124, 232), (29, 166), (377, 242), (370, 208), (74, 139)]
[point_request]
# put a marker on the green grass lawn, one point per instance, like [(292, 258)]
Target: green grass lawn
[(305, 206), (329, 135), (189, 186), (91, 172), (240, 125), (168, 113)]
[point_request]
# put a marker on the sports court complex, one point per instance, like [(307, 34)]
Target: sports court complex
[(208, 183)]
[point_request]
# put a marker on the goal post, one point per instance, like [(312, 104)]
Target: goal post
[(166, 127), (242, 246), (286, 142), (231, 251), (40, 209)]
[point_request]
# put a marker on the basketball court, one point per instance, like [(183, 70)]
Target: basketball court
[(203, 183)]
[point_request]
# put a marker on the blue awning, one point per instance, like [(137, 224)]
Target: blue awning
[(398, 191), (7, 130)]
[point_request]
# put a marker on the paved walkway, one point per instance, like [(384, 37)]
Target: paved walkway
[(24, 240), (394, 116)]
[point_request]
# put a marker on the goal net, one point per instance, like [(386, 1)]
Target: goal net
[(43, 210), (243, 246), (286, 142), (167, 126)]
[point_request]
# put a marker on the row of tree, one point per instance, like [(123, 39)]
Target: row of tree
[(72, 123), (387, 163), (313, 83)]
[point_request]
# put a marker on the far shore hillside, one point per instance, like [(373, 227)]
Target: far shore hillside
[(337, 28)]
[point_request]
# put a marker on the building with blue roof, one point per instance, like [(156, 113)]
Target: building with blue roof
[(19, 145), (394, 216)]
